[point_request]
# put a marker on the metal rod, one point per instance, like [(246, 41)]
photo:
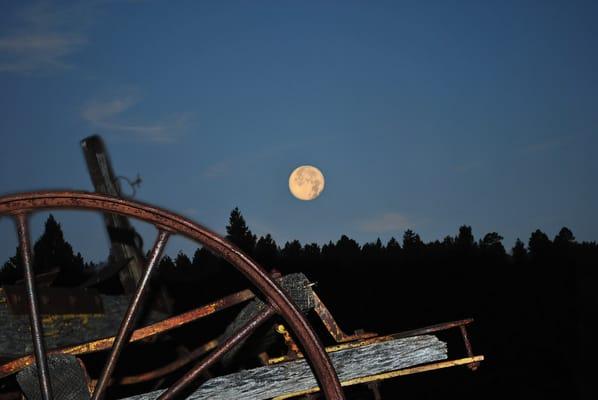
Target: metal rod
[(147, 331), (34, 315), (128, 323), (466, 341), (375, 389), (468, 348), (331, 324), (434, 328), (305, 335), (171, 367), (224, 347)]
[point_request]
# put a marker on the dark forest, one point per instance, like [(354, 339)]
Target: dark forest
[(530, 303)]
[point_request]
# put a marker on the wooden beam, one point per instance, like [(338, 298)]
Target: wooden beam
[(393, 374), (121, 233), (291, 377), (124, 240)]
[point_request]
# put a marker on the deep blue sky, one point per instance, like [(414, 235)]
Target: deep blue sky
[(420, 116)]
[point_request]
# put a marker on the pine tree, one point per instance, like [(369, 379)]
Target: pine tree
[(291, 256), (52, 251), (519, 252), (539, 244), (238, 232), (492, 242), (182, 262), (411, 241), (266, 252), (12, 270), (564, 238), (465, 238)]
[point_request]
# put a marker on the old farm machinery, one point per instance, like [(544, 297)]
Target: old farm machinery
[(65, 324)]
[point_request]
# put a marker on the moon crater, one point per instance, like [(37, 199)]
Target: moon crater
[(306, 182)]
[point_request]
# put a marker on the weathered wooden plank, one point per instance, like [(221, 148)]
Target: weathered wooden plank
[(120, 231), (126, 246), (276, 380), (64, 330)]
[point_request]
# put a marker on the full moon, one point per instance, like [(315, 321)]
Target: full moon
[(306, 182)]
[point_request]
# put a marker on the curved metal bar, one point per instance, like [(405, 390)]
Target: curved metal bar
[(128, 323), (171, 367), (321, 364), (18, 364), (223, 348), (37, 333)]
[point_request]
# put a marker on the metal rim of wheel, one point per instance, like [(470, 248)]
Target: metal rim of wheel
[(167, 223)]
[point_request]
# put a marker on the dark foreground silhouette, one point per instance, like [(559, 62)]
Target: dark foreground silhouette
[(531, 306)]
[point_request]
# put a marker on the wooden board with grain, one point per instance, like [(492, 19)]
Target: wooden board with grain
[(64, 330), (290, 377)]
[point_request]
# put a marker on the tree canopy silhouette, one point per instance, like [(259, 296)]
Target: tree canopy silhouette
[(50, 251), (238, 232), (526, 303)]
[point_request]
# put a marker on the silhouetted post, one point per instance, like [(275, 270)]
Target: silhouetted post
[(123, 237)]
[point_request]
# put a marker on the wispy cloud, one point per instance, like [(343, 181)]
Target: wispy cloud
[(246, 159), (387, 222), (30, 53), (99, 111), (41, 37), (111, 116)]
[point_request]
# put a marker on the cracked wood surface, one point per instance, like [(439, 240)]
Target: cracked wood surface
[(289, 377)]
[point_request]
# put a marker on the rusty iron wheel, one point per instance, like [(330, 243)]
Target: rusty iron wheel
[(20, 206)]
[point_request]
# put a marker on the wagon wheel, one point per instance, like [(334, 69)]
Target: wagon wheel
[(167, 223)]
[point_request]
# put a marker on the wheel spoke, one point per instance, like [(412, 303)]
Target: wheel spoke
[(277, 298), (34, 315), (223, 348), (128, 323)]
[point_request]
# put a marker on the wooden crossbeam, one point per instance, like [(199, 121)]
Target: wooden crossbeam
[(296, 376)]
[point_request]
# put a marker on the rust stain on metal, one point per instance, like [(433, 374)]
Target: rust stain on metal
[(127, 325), (332, 326), (171, 367), (294, 351), (139, 334), (380, 339), (468, 348), (238, 337), (342, 346), (277, 298), (35, 325)]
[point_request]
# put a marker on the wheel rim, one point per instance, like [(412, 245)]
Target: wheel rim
[(168, 223)]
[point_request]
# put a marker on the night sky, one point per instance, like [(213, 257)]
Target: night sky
[(420, 116)]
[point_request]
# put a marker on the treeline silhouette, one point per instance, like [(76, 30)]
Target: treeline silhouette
[(530, 305)]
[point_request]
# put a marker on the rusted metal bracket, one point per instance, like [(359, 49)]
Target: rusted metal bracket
[(471, 361), (461, 324), (119, 229), (331, 324), (166, 222), (163, 326), (142, 333), (126, 251)]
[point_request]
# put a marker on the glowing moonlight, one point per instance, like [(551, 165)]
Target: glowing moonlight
[(306, 182)]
